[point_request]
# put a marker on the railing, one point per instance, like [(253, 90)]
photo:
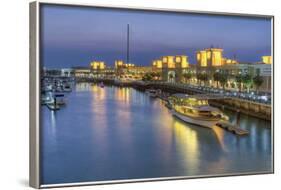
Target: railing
[(227, 94)]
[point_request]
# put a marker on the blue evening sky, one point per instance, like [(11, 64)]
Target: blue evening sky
[(74, 36)]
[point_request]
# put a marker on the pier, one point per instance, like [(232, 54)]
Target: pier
[(232, 128)]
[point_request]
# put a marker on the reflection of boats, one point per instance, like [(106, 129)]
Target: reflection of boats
[(195, 110), (123, 81), (151, 92)]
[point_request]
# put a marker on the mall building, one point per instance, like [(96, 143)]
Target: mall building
[(211, 60), (171, 68)]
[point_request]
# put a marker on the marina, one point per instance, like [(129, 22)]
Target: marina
[(54, 90), (155, 140), (193, 109), (146, 100)]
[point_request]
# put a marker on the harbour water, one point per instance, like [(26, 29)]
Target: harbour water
[(114, 133)]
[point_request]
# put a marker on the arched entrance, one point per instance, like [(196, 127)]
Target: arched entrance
[(171, 76)]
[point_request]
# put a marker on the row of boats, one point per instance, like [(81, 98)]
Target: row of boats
[(195, 109), (53, 92)]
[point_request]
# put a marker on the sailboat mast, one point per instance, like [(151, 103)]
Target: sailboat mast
[(128, 43)]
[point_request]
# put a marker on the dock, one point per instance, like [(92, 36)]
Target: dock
[(232, 128)]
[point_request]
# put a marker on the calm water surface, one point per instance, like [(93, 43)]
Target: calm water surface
[(116, 133)]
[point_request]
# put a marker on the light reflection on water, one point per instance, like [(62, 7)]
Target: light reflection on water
[(120, 133)]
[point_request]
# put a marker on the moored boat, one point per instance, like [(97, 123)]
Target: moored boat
[(196, 110)]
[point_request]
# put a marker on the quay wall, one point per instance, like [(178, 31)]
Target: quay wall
[(254, 109)]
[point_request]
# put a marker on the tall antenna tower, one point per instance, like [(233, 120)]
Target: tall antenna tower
[(128, 43)]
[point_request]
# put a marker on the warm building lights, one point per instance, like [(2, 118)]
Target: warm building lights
[(267, 59)]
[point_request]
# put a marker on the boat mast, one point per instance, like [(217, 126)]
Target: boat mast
[(128, 43)]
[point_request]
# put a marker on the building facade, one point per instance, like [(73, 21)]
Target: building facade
[(171, 68), (212, 57), (267, 59)]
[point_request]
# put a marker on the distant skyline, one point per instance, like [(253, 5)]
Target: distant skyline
[(74, 36)]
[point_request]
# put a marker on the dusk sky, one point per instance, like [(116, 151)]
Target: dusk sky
[(75, 36)]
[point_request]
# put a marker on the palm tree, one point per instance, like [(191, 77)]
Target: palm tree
[(239, 80), (153, 75), (187, 76), (204, 77), (199, 78), (157, 75), (247, 81), (223, 80), (147, 77), (216, 77), (258, 80)]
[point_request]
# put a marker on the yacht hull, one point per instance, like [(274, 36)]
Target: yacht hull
[(202, 123)]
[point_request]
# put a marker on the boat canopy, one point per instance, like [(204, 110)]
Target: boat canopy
[(208, 108), (189, 100)]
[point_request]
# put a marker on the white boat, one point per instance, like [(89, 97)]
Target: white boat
[(46, 98), (195, 110), (152, 93)]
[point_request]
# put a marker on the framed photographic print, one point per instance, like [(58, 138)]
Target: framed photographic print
[(127, 94)]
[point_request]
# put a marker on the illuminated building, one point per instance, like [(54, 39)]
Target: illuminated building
[(81, 72), (130, 71), (157, 64), (210, 57), (97, 65), (169, 62), (98, 69), (122, 64), (267, 59), (136, 72), (171, 67), (64, 72), (118, 63), (181, 61), (226, 61), (201, 57)]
